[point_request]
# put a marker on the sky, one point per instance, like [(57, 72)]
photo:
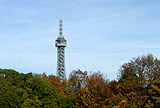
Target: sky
[(101, 35)]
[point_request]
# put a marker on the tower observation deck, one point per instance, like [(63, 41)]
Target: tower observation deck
[(60, 43)]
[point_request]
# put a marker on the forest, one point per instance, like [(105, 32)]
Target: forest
[(137, 85)]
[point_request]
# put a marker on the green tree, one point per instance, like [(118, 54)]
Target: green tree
[(41, 92), (8, 94), (29, 91)]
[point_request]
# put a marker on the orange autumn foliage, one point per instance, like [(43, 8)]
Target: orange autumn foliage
[(94, 93), (53, 80), (56, 82)]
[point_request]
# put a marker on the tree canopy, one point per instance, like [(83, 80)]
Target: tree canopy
[(137, 85)]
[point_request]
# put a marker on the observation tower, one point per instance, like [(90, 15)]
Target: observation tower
[(60, 43)]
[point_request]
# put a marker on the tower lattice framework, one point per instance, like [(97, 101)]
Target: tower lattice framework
[(61, 44)]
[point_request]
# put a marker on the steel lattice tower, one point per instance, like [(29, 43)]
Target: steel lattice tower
[(60, 43)]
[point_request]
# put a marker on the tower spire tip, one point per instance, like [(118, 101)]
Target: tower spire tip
[(61, 28)]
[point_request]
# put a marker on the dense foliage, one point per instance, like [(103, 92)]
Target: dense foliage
[(29, 91), (137, 85)]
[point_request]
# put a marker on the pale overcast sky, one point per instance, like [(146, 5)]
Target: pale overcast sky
[(101, 34)]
